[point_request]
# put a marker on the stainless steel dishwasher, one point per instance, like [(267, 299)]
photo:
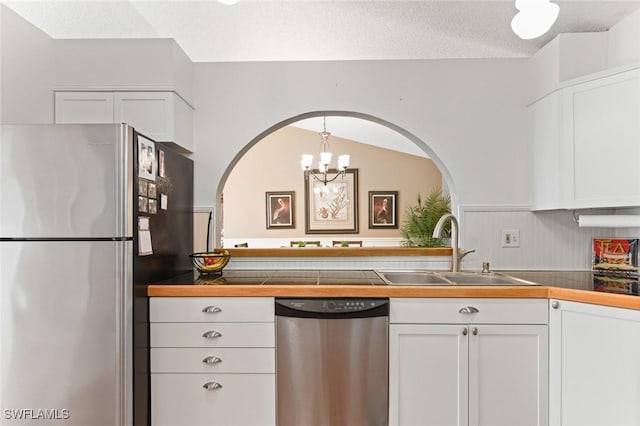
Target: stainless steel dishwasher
[(332, 361)]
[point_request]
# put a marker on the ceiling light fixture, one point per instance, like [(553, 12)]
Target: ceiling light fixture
[(535, 17), (321, 174), (228, 1)]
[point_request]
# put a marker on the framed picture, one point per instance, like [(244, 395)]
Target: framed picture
[(146, 158), (151, 190), (383, 209), (280, 209), (153, 206), (615, 255), (143, 185), (332, 207), (143, 204), (161, 171)]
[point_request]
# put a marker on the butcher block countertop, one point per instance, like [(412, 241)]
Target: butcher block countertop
[(578, 286)]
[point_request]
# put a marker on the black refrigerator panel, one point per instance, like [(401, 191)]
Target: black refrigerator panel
[(170, 221), (171, 232)]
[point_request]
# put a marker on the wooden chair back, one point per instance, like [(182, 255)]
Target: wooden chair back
[(307, 243), (338, 243)]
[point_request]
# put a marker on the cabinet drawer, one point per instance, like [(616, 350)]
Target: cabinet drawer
[(221, 360), (211, 309), (213, 335), (243, 399), (448, 311)]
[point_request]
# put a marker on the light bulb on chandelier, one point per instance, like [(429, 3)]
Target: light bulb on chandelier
[(321, 174)]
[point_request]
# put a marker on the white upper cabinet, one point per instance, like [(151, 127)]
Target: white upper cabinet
[(83, 107), (162, 116), (585, 142), (605, 135), (547, 168)]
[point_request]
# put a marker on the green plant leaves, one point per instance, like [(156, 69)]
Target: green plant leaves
[(421, 219)]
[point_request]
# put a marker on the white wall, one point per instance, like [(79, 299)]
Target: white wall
[(26, 71), (624, 41), (574, 55), (121, 64), (470, 113)]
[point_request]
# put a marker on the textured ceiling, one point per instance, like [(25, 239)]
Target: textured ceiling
[(299, 30)]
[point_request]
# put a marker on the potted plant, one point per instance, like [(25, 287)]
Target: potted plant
[(421, 218)]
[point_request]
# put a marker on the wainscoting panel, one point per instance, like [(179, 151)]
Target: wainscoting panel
[(549, 240)]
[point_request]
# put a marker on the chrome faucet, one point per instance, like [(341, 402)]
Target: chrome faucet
[(457, 254)]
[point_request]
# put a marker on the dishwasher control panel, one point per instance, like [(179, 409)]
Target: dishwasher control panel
[(333, 305)]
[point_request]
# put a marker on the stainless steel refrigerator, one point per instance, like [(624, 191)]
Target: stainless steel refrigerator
[(89, 214)]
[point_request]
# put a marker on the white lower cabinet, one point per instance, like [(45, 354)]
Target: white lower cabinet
[(212, 361), (594, 365), (466, 372)]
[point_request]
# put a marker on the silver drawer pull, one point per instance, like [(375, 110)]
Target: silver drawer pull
[(212, 360), (212, 386), (211, 334), (468, 310), (211, 310)]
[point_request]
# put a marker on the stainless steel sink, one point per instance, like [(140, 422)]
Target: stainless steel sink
[(413, 278), (450, 278), (471, 278)]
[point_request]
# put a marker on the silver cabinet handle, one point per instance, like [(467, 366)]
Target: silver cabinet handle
[(212, 360), (468, 310), (211, 310), (474, 331), (465, 331), (555, 304), (211, 334), (212, 386)]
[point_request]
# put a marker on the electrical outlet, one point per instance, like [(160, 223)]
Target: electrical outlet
[(510, 238)]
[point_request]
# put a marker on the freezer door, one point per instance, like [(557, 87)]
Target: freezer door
[(66, 330), (59, 181)]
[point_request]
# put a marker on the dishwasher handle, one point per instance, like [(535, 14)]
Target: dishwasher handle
[(332, 308)]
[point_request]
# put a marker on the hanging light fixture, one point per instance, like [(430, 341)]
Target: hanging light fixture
[(535, 17), (322, 173)]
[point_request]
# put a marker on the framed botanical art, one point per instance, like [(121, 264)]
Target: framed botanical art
[(332, 207), (383, 209), (280, 209)]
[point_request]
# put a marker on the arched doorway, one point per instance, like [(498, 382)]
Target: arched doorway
[(253, 213)]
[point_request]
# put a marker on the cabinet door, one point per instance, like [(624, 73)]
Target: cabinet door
[(151, 113), (428, 375), (83, 107), (161, 116), (594, 365), (604, 130), (508, 375)]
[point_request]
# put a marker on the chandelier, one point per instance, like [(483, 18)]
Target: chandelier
[(322, 173)]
